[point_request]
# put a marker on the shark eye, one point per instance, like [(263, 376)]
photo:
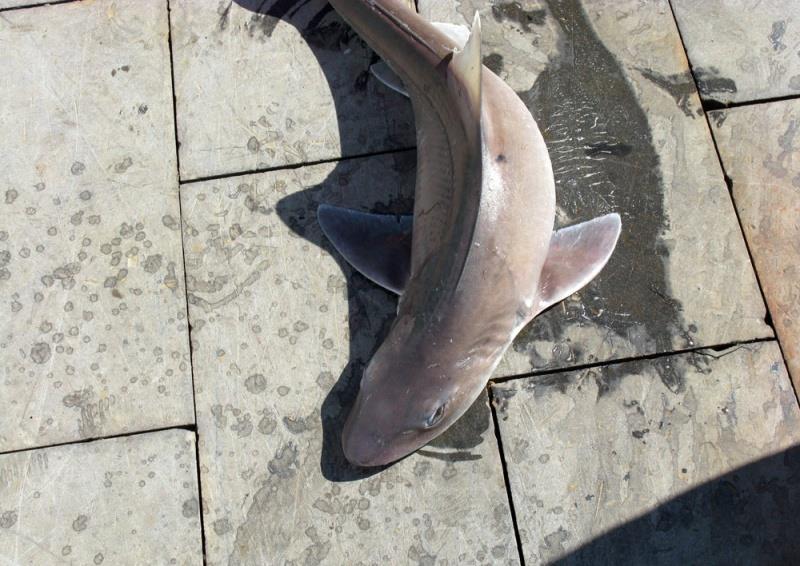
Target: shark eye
[(435, 416)]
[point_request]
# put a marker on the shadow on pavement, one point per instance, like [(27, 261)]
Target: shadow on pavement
[(750, 515)]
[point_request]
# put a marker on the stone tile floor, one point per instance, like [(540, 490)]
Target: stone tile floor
[(179, 343), (742, 50)]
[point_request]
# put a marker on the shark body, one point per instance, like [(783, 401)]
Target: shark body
[(478, 260)]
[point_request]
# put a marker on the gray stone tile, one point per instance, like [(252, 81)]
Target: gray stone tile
[(13, 3), (611, 466), (284, 86), (130, 500), (17, 3), (609, 86), (742, 49), (281, 332), (760, 151), (93, 334)]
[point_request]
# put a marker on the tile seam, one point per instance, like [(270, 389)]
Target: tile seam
[(702, 350), (291, 166), (186, 284)]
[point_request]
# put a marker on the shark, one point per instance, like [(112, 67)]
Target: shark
[(478, 259)]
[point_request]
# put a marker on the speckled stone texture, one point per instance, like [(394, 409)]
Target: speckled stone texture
[(281, 332), (760, 151), (742, 50), (266, 84), (610, 466), (93, 332), (130, 500), (19, 3), (687, 458), (609, 86)]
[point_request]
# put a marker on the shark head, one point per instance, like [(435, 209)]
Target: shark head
[(410, 393), (424, 377)]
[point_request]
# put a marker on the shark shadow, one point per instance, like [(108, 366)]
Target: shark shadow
[(336, 46), (745, 516), (604, 160)]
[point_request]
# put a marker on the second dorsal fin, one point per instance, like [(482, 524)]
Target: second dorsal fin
[(384, 73)]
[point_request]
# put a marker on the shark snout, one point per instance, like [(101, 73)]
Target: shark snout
[(362, 447), (363, 444), (364, 450)]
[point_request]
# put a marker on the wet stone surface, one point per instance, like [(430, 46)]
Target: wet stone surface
[(760, 151), (135, 504), (609, 466), (93, 330), (239, 110), (609, 87), (742, 50), (281, 332)]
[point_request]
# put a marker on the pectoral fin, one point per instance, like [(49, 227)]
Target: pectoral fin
[(377, 245), (576, 256)]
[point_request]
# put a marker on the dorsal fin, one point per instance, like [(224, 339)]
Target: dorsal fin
[(466, 69), (458, 34), (577, 254), (381, 70), (377, 245)]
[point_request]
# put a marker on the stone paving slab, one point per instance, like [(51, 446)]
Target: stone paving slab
[(93, 333), (16, 3), (281, 331), (263, 84), (6, 4), (609, 85), (610, 466), (742, 50), (760, 151), (13, 3), (130, 500)]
